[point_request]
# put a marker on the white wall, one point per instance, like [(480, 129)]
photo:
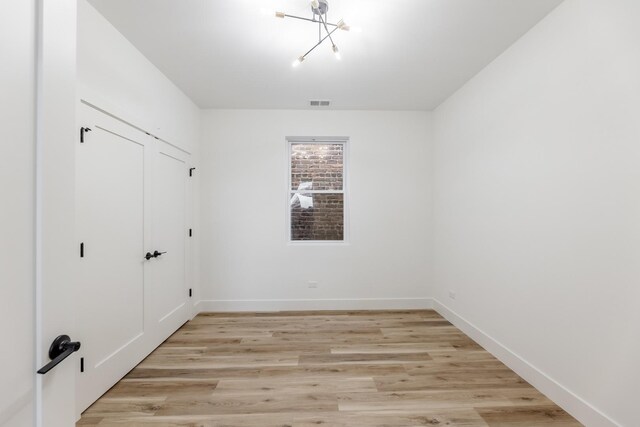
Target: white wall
[(115, 75), (243, 195), (537, 204), (17, 218)]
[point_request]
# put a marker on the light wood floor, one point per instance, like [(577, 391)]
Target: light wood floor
[(339, 369)]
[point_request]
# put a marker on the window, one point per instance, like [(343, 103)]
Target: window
[(316, 189)]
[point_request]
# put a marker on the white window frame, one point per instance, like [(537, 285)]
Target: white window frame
[(343, 140)]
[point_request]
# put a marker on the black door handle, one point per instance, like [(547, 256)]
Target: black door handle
[(156, 254), (148, 256), (61, 348)]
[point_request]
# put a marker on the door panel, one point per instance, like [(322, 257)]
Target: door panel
[(169, 291), (110, 217)]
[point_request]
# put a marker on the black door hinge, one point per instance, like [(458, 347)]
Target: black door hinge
[(82, 364), (82, 250), (191, 171), (190, 232), (190, 293), (82, 131)]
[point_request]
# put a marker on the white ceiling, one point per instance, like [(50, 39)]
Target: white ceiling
[(411, 54)]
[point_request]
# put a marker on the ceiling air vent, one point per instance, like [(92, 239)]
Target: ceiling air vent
[(319, 102)]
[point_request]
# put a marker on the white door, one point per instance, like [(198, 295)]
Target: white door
[(168, 291), (110, 216), (131, 205)]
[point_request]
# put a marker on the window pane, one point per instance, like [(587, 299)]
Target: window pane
[(317, 216), (316, 166)]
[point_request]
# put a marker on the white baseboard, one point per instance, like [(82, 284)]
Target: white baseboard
[(574, 405), (316, 304)]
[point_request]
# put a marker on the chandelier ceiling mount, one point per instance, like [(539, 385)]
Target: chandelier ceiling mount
[(320, 8)]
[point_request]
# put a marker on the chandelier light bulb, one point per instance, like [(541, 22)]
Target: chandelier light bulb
[(344, 27), (297, 61), (315, 4), (336, 52)]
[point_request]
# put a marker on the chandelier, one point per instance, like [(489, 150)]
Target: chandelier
[(319, 9)]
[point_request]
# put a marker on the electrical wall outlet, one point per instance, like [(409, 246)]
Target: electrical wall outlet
[(312, 284), (452, 295)]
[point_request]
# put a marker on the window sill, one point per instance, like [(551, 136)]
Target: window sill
[(318, 243)]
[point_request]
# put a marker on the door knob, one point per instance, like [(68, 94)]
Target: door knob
[(61, 348), (156, 254), (148, 256)]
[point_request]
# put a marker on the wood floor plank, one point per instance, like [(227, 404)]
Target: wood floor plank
[(452, 418), (395, 368), (239, 403), (551, 416), (416, 400), (133, 389), (452, 381), (391, 348), (439, 365), (297, 385), (362, 358), (213, 362), (275, 372)]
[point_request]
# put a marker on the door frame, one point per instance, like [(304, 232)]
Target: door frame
[(92, 109), (55, 285)]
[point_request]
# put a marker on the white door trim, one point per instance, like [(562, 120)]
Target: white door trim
[(54, 199)]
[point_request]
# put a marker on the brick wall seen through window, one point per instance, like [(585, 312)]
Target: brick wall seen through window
[(316, 202)]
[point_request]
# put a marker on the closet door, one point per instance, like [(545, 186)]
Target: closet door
[(168, 290), (111, 199)]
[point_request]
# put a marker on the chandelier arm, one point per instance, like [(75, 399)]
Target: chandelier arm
[(326, 28), (307, 19), (319, 43)]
